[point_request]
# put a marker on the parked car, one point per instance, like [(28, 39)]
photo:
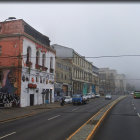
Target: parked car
[(97, 95), (78, 99), (85, 98), (68, 99), (89, 96), (108, 97), (92, 95)]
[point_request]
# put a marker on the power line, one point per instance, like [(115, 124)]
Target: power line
[(105, 56)]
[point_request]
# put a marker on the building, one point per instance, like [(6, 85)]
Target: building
[(95, 79), (111, 82), (27, 63), (82, 69), (63, 75), (120, 83)]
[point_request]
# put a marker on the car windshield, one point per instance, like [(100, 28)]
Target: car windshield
[(77, 95)]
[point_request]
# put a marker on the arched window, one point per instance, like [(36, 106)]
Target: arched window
[(43, 60), (37, 57), (28, 55), (51, 62)]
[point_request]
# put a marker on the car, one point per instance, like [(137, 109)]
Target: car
[(78, 99), (67, 99), (89, 95), (97, 95), (108, 97), (92, 95)]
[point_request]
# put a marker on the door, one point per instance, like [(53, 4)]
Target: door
[(31, 99), (50, 95)]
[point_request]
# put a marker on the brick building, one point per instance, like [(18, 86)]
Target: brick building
[(27, 63)]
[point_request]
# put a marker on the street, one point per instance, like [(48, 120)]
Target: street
[(56, 124), (122, 123)]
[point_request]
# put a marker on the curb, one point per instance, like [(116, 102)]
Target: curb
[(88, 129), (18, 117), (26, 115)]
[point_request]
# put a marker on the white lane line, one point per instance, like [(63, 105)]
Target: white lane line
[(138, 115), (7, 135), (54, 117), (134, 108), (75, 109)]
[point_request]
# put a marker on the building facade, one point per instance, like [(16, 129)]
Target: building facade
[(111, 82), (81, 69), (27, 63), (95, 79), (63, 75)]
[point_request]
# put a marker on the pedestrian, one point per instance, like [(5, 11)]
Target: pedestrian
[(62, 101)]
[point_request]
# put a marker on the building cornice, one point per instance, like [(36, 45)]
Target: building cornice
[(29, 37)]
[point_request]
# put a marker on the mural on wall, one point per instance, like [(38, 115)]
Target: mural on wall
[(8, 88)]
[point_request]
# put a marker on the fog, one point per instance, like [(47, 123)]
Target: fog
[(91, 29)]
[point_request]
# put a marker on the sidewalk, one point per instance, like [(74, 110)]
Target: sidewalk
[(7, 114)]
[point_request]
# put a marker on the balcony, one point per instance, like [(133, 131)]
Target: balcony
[(39, 67), (51, 70), (44, 68), (28, 64)]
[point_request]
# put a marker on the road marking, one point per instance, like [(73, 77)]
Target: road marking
[(134, 108), (7, 135), (75, 109), (138, 115), (54, 117)]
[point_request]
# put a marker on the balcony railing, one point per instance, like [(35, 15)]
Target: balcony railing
[(28, 63), (44, 68), (39, 67)]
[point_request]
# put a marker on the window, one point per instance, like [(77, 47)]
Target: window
[(37, 79), (28, 54), (51, 62), (43, 60), (37, 57)]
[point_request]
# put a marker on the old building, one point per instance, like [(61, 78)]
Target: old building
[(120, 83), (111, 82), (63, 75), (27, 63), (95, 79), (81, 70)]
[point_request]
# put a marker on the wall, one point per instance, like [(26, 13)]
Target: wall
[(45, 78)]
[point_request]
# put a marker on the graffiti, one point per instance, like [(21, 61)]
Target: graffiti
[(8, 88), (9, 100)]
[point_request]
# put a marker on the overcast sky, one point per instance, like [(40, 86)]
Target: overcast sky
[(91, 29)]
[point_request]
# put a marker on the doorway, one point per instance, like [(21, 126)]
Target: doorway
[(31, 99)]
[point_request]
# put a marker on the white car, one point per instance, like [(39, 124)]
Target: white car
[(89, 95), (92, 95), (97, 95), (68, 99), (85, 97), (108, 96)]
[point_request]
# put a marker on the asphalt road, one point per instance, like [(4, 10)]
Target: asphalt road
[(122, 123), (56, 124)]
